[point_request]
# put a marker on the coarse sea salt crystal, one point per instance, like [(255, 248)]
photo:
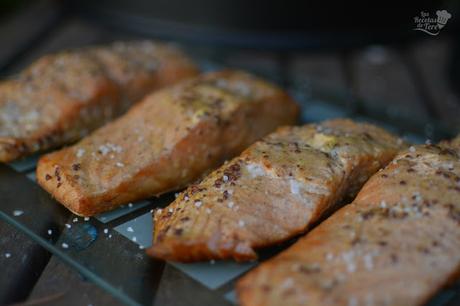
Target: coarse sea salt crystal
[(80, 152), (255, 170), (120, 165), (106, 230), (65, 245), (50, 232), (198, 203), (287, 283), (104, 149), (368, 262), (130, 229), (17, 213), (295, 186)]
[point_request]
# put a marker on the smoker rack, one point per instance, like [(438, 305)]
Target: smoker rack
[(112, 260)]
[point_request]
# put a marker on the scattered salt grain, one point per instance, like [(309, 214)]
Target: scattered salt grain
[(287, 283), (230, 204), (108, 147), (120, 165), (68, 225), (7, 255), (198, 203), (106, 230), (352, 301), (412, 149), (241, 223), (383, 204), (295, 187), (368, 262), (50, 232), (130, 229), (75, 220), (208, 210), (86, 218), (104, 149), (80, 152), (225, 178), (65, 245), (110, 235), (141, 247), (170, 210), (134, 239), (130, 205), (17, 213), (212, 261)]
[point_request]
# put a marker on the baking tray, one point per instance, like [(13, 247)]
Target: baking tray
[(109, 249)]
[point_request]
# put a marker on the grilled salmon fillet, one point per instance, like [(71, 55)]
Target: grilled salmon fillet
[(396, 244), (166, 141), (62, 97), (273, 191)]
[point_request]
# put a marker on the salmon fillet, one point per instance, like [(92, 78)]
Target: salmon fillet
[(273, 191), (62, 97), (396, 244), (166, 141)]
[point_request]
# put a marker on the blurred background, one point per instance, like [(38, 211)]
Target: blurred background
[(345, 59)]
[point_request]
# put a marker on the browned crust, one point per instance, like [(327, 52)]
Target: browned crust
[(196, 139), (85, 89), (397, 242), (269, 212)]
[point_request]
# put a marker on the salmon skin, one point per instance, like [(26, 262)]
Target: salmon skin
[(166, 141), (273, 191), (62, 97), (396, 244)]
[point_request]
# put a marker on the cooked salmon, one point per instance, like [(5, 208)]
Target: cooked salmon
[(273, 191), (62, 97), (166, 141), (396, 244)]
